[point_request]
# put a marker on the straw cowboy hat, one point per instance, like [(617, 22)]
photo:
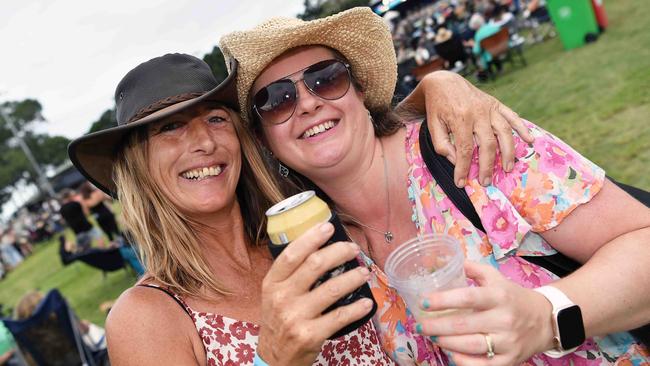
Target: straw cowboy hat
[(153, 90), (443, 35), (358, 34)]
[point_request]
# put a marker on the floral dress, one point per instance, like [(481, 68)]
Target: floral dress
[(549, 181), (232, 342)]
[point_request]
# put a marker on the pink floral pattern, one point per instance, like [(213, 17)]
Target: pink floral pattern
[(232, 342), (548, 182)]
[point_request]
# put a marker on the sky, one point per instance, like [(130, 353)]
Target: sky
[(70, 55)]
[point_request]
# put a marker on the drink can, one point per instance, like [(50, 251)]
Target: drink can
[(290, 218)]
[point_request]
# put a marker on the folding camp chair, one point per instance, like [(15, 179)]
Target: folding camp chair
[(108, 260), (498, 45), (51, 336)]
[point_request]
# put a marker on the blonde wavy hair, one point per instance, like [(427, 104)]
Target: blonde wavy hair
[(167, 240)]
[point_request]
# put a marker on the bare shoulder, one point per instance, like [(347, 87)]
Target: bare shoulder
[(147, 326)]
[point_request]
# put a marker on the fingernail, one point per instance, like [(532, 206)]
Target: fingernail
[(509, 166), (418, 328), (433, 338), (326, 227), (367, 303), (461, 183), (426, 304), (364, 271), (487, 181), (354, 247)]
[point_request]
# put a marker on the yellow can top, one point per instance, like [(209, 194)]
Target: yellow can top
[(291, 217)]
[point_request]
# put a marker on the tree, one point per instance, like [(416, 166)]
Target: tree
[(47, 150), (216, 62), (106, 120)]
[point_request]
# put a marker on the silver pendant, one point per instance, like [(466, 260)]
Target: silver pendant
[(388, 236)]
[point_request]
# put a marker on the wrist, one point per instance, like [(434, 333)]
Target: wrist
[(568, 327), (264, 351), (546, 339)]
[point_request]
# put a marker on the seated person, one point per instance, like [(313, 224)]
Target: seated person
[(8, 354), (483, 31), (91, 334)]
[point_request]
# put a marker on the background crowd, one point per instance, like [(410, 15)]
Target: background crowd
[(448, 29)]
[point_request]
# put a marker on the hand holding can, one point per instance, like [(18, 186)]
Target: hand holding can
[(294, 323), (292, 217)]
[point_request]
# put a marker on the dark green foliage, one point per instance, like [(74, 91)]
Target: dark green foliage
[(216, 62), (106, 120), (47, 150)]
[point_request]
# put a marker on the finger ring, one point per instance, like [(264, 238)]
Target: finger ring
[(490, 346)]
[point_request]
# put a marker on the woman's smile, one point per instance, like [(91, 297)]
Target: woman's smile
[(202, 173), (319, 130)]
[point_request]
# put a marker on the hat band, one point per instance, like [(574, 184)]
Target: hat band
[(163, 103)]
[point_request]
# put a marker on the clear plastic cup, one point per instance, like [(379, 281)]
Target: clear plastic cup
[(424, 265)]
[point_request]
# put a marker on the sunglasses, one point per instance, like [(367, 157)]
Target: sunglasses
[(276, 102)]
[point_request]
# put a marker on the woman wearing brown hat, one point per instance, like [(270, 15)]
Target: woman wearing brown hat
[(318, 96), (193, 190)]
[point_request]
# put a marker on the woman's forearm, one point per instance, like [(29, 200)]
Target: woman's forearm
[(414, 104), (613, 287)]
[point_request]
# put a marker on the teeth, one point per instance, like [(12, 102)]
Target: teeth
[(318, 129), (201, 173)]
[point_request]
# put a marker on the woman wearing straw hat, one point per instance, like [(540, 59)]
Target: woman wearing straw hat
[(193, 190), (318, 96)]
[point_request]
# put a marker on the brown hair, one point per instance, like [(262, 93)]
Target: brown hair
[(168, 240), (27, 304), (86, 190)]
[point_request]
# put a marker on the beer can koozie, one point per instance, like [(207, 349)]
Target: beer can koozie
[(290, 218)]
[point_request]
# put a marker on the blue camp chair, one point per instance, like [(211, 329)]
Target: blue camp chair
[(130, 257), (51, 336)]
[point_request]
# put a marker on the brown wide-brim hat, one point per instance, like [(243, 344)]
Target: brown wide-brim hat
[(150, 92), (358, 34)]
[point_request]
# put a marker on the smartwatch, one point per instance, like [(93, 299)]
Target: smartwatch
[(568, 328)]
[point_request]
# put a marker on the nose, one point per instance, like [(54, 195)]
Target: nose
[(307, 102), (199, 137)]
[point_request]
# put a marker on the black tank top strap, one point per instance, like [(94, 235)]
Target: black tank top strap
[(174, 296)]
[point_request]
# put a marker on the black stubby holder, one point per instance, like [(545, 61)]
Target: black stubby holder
[(359, 293)]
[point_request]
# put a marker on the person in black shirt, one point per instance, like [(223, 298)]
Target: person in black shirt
[(93, 199), (73, 213)]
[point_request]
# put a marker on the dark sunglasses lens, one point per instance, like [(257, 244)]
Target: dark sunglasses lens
[(275, 103), (328, 79)]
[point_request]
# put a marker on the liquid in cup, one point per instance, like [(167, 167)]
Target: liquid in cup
[(424, 265), (290, 218)]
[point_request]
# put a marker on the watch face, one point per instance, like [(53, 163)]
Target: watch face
[(571, 329)]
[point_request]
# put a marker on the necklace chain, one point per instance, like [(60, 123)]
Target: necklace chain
[(388, 235)]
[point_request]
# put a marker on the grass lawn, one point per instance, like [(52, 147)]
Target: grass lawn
[(83, 286), (597, 97)]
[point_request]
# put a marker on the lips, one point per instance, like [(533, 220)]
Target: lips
[(203, 172), (319, 128)]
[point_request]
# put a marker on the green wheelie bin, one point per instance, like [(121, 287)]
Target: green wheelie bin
[(575, 21)]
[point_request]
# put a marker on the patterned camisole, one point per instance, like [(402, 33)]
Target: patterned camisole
[(232, 342)]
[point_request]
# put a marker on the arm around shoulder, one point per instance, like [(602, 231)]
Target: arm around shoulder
[(147, 327)]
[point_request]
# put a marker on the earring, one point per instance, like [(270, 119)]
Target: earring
[(283, 170)]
